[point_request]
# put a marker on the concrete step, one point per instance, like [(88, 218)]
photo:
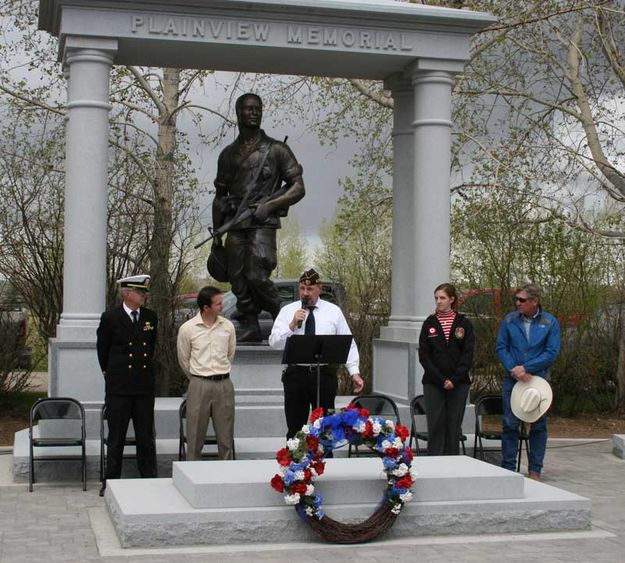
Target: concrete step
[(453, 495)]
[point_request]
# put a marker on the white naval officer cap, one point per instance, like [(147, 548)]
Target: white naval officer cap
[(141, 282)]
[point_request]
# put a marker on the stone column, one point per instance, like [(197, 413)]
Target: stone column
[(72, 361), (88, 64), (421, 218), (432, 205)]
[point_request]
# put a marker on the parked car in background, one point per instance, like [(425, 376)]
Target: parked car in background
[(288, 290)]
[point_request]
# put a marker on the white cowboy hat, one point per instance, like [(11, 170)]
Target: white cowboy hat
[(531, 399)]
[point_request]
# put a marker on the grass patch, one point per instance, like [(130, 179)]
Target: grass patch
[(15, 413), (18, 404)]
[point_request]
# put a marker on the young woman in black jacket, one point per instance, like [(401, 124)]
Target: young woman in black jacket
[(446, 347)]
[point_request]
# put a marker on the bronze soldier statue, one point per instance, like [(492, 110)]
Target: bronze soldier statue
[(258, 178)]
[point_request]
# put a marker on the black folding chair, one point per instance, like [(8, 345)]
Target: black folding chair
[(492, 405), (377, 405), (57, 422), (417, 408), (209, 439)]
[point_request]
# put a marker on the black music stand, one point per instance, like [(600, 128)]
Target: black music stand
[(317, 349)]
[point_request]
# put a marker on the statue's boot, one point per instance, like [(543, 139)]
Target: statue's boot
[(249, 329), (237, 316)]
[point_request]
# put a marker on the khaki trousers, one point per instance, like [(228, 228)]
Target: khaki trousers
[(208, 399)]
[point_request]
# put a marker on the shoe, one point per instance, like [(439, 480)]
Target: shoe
[(249, 329), (102, 489), (534, 475)]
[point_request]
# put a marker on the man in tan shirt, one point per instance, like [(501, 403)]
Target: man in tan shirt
[(206, 345)]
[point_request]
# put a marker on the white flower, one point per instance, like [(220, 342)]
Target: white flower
[(292, 444), (406, 497), (361, 427), (386, 444), (377, 428), (401, 470), (396, 509), (306, 430), (397, 443), (299, 475), (291, 499), (317, 423), (309, 511), (390, 425), (310, 490)]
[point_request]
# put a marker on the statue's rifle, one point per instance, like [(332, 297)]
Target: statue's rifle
[(244, 211)]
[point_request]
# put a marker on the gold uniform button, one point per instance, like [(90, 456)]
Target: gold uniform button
[(145, 355), (130, 355), (129, 367), (129, 343), (145, 367)]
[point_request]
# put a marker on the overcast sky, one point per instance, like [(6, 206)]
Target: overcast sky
[(323, 166)]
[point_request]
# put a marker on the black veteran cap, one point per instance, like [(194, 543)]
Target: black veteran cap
[(141, 282), (310, 277)]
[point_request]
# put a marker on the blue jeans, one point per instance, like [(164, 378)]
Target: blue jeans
[(510, 435)]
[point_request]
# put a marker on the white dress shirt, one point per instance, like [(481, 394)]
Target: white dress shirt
[(329, 319), (129, 311)]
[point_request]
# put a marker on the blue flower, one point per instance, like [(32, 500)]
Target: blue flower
[(350, 417), (389, 463), (289, 477)]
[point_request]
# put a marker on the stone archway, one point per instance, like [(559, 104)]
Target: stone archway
[(415, 49)]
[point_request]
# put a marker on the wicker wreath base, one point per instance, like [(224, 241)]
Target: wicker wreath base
[(337, 532)]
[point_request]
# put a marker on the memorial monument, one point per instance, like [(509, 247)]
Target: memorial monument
[(416, 50), (258, 179)]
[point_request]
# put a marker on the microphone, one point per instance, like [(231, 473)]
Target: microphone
[(305, 304)]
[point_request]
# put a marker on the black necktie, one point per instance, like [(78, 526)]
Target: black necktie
[(135, 316), (309, 327)]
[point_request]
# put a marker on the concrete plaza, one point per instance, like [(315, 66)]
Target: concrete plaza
[(62, 523)]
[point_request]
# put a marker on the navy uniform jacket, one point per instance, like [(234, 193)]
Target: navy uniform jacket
[(125, 351)]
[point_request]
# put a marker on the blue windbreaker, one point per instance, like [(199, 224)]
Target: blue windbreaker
[(536, 355)]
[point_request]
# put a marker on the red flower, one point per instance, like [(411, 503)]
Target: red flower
[(402, 432), (307, 474), (391, 452), (405, 482), (283, 457), (408, 454), (298, 487), (317, 413), (277, 483), (318, 466), (312, 443), (368, 433), (351, 407), (364, 412)]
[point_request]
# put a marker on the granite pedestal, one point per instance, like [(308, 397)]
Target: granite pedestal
[(232, 502)]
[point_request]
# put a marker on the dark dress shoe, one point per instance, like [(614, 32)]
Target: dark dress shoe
[(102, 489)]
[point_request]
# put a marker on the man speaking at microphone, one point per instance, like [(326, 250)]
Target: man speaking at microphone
[(311, 315)]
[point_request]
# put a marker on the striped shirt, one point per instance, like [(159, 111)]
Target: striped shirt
[(446, 320)]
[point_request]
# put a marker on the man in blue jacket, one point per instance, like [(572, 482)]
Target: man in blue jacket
[(528, 344)]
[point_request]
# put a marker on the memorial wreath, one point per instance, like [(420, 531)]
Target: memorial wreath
[(302, 461)]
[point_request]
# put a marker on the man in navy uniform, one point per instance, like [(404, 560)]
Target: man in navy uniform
[(126, 339)]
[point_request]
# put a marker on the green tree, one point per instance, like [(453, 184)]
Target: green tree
[(356, 251), (292, 249)]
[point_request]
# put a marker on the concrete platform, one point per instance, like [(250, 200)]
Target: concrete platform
[(218, 504)]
